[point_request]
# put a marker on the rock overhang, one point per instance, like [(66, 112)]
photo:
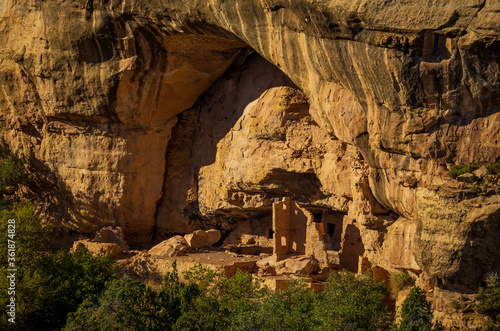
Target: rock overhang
[(412, 85)]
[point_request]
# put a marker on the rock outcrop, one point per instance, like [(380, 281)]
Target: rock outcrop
[(200, 238), (174, 246), (97, 248), (108, 241), (155, 117)]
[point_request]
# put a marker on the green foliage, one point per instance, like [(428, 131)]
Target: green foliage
[(489, 301), (130, 305), (57, 285), (495, 168), (48, 285), (416, 313), (73, 277), (288, 309), (353, 303), (12, 172), (204, 301), (492, 279), (32, 236), (126, 305), (400, 280), (229, 303), (457, 170)]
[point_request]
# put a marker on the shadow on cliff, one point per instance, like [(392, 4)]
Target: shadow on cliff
[(223, 104), (199, 130)]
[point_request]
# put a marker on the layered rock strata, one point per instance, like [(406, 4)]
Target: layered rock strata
[(385, 97)]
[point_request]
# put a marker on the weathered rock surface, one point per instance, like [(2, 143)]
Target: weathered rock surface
[(107, 241), (481, 172), (303, 265), (112, 235), (200, 238), (466, 178), (130, 111), (97, 248), (465, 233), (168, 248)]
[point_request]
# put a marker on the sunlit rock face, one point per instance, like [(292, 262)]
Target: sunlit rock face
[(152, 115)]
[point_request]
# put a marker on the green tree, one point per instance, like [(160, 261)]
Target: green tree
[(222, 303), (352, 302), (12, 172), (48, 285), (288, 309), (130, 305), (124, 305), (489, 301), (45, 294), (416, 313)]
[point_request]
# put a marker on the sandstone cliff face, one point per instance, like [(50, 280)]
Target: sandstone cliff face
[(371, 103)]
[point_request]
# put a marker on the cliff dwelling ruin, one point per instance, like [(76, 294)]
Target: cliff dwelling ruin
[(312, 134)]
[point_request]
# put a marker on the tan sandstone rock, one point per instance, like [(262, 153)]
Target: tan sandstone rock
[(170, 247), (481, 172), (97, 248), (128, 113), (303, 265), (200, 238), (112, 235)]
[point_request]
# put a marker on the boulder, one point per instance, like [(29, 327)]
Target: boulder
[(200, 238), (481, 172), (301, 265), (168, 248), (265, 262), (111, 235), (96, 248), (108, 241)]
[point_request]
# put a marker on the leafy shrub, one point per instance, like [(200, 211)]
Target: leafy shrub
[(353, 303), (492, 279), (48, 285), (207, 302), (131, 305), (457, 170), (489, 301), (126, 305), (289, 309), (12, 171), (400, 280), (495, 168), (31, 235), (45, 294), (348, 302), (240, 299), (416, 313)]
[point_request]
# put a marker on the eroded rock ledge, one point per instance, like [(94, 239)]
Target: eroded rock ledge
[(153, 116)]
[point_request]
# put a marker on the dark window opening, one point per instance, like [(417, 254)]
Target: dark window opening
[(270, 233), (330, 229)]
